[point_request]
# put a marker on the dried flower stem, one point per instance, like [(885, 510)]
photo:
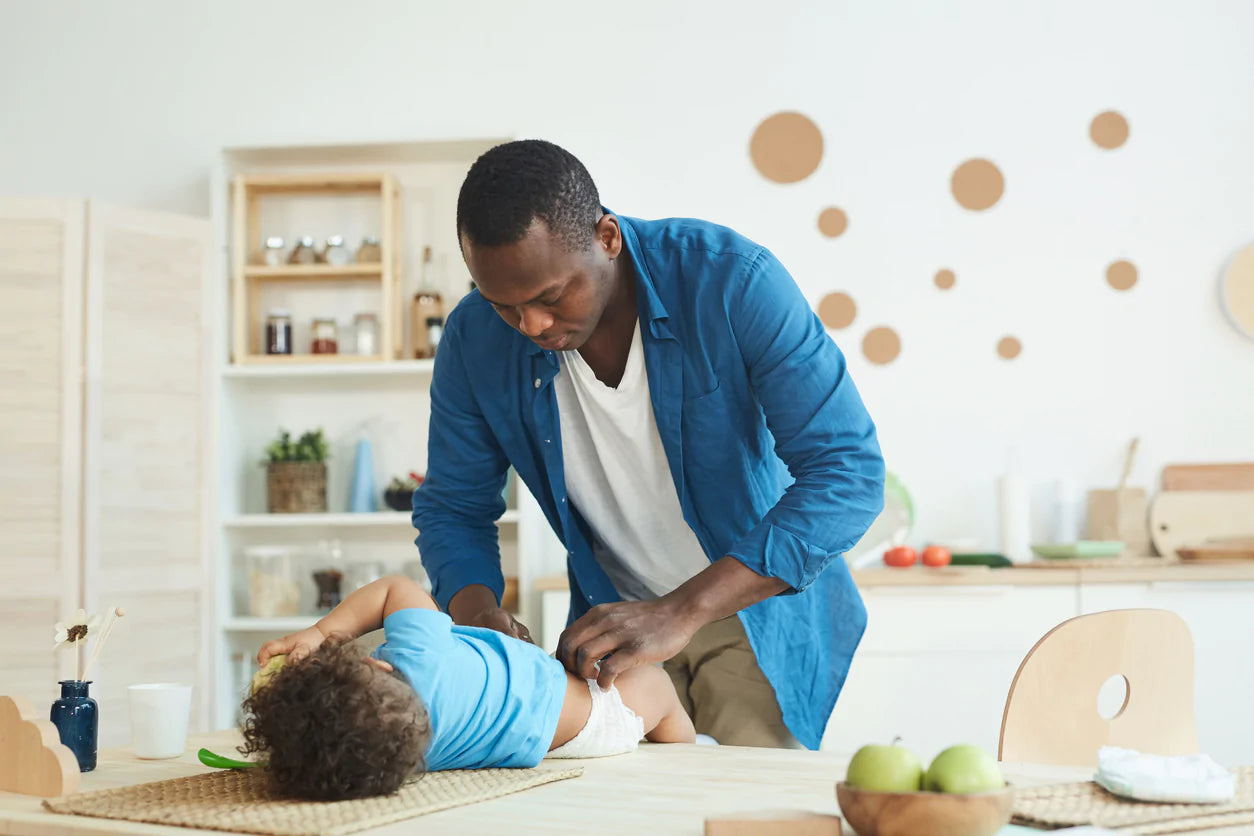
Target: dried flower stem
[(111, 618)]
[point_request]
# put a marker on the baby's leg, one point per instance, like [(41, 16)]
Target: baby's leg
[(648, 691)]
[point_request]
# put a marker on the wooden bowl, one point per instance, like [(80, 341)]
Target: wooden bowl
[(872, 813)]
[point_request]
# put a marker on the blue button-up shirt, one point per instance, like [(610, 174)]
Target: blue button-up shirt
[(773, 455)]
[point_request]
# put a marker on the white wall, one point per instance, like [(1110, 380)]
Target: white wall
[(129, 101)]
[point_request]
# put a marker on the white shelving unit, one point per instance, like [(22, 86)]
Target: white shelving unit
[(384, 400)]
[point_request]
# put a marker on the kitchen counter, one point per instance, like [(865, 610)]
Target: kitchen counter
[(1044, 573), (1058, 573)]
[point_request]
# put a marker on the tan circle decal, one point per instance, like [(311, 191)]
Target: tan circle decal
[(833, 222), (945, 279), (1121, 275), (837, 310), (1109, 130), (1238, 291), (786, 147), (881, 345), (977, 184), (1009, 347)]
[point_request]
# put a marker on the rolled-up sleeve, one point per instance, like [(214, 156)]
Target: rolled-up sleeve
[(821, 428), (458, 503)]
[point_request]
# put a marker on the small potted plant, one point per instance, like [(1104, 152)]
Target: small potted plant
[(296, 473), (399, 495)]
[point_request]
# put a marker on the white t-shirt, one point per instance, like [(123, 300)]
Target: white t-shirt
[(618, 477)]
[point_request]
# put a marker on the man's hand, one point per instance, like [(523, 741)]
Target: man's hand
[(296, 645), (495, 618), (630, 633)]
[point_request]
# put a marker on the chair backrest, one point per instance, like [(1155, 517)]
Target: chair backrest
[(1051, 711)]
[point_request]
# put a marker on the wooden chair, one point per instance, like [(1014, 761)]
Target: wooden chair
[(1051, 711)]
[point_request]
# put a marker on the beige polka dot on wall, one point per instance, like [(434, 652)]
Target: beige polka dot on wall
[(837, 310), (833, 222), (944, 279), (1109, 130), (786, 147), (977, 184), (1008, 348), (1121, 275), (881, 345)]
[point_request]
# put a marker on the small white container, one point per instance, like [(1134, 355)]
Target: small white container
[(159, 716)]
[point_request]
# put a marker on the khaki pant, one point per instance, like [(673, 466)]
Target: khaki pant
[(725, 692)]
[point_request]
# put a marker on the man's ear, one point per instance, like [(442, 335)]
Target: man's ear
[(609, 236)]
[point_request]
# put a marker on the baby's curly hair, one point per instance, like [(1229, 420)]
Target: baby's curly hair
[(334, 727)]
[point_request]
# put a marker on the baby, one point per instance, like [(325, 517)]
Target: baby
[(335, 723)]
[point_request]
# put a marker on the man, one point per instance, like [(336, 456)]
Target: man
[(691, 432)]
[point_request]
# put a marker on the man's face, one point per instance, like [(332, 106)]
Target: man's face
[(552, 295)]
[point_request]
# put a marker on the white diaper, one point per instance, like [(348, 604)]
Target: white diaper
[(612, 728)]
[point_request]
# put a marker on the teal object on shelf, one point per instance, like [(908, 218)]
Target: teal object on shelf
[(362, 497)]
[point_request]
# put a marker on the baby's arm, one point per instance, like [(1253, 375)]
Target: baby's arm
[(361, 612)]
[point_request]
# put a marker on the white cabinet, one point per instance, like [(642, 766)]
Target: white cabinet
[(106, 397), (936, 662), (1221, 618)]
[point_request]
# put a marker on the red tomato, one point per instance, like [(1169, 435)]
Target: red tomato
[(900, 556), (936, 556)]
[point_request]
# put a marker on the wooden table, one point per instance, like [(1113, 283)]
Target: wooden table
[(658, 790)]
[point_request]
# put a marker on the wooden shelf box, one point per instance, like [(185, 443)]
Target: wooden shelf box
[(249, 278)]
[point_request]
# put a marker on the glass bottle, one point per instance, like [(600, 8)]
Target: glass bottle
[(325, 336), (77, 721), (427, 304)]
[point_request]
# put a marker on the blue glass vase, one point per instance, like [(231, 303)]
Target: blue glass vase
[(77, 721)]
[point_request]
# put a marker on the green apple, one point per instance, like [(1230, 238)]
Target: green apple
[(263, 676), (885, 769), (963, 769)]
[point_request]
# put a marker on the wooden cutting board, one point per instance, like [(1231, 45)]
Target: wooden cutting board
[(1219, 551), (1237, 476), (1189, 518)]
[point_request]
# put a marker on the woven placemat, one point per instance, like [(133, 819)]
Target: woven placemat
[(239, 801), (1066, 805)]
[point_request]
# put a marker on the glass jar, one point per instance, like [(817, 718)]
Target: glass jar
[(369, 252), (279, 332), (435, 329), (335, 252), (273, 590), (272, 252), (303, 252), (366, 331), (326, 336)]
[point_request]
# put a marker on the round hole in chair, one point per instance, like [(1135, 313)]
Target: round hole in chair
[(1112, 699)]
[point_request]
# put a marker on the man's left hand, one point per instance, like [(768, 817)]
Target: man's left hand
[(630, 633)]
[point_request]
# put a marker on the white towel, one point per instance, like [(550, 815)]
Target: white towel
[(1182, 778)]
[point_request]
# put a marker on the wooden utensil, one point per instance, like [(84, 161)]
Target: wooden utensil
[(1187, 518), (1120, 514), (1236, 476)]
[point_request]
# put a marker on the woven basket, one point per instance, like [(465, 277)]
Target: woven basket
[(296, 487)]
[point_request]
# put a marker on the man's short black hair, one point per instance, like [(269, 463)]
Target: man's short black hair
[(514, 184)]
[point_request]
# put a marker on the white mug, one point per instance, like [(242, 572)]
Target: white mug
[(159, 716)]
